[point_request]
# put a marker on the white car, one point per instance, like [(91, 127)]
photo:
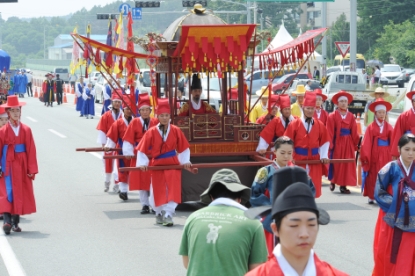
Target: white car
[(93, 77), (392, 74)]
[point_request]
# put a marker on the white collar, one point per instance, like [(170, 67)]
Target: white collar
[(407, 170), (287, 269), (161, 133), (379, 123), (196, 106), (228, 202)]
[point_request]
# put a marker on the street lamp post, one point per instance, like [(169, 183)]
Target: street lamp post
[(247, 6)]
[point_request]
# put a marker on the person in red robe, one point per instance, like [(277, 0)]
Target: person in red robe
[(295, 222), (197, 106), (376, 147), (344, 140), (311, 141), (404, 124), (104, 125), (320, 113), (18, 167), (394, 239), (273, 102), (139, 180), (276, 127), (115, 139), (167, 145)]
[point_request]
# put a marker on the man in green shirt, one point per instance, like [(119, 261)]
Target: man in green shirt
[(219, 239)]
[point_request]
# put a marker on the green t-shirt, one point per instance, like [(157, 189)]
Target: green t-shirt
[(221, 240)]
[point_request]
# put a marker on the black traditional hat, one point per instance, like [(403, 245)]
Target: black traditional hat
[(196, 83), (282, 180)]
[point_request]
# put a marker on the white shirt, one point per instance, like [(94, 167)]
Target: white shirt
[(29, 77), (288, 270), (377, 73), (15, 129), (380, 124), (407, 170)]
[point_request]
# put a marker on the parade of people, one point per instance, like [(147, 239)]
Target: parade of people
[(208, 148)]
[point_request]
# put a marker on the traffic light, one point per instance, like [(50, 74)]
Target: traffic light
[(310, 4), (192, 3), (106, 15), (147, 4)]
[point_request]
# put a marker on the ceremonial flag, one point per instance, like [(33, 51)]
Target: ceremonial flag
[(75, 55), (108, 57), (130, 63), (87, 52), (119, 30)]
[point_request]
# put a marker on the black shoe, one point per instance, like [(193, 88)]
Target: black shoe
[(81, 115), (145, 210), (152, 211), (16, 228), (6, 228), (123, 196)]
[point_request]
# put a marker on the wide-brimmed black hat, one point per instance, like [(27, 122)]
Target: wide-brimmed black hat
[(196, 83), (283, 179)]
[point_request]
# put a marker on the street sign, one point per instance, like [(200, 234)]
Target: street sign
[(136, 13), (343, 47), (124, 8)]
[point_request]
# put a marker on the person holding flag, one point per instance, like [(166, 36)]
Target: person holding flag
[(79, 90), (89, 101)]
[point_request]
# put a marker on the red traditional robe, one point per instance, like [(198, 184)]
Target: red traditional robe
[(104, 125), (264, 120), (139, 180), (375, 153), (343, 145), (205, 108), (323, 116), (272, 268), (404, 124), (20, 160), (166, 181), (273, 129), (116, 133), (309, 142)]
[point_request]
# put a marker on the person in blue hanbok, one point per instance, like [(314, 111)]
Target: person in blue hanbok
[(261, 190), (16, 83), (89, 102), (22, 84), (80, 86), (394, 242), (107, 99)]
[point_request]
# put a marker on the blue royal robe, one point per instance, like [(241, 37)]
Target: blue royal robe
[(80, 100), (89, 104), (107, 102)]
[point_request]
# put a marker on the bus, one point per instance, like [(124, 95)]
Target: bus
[(360, 61)]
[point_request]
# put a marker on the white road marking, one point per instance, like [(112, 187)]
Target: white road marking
[(13, 265), (57, 133), (31, 119), (97, 155)]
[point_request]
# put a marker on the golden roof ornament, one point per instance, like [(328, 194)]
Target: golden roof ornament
[(198, 9)]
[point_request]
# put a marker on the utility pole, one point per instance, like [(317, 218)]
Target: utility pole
[(44, 42), (353, 34), (324, 44)]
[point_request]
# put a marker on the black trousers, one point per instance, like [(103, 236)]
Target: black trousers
[(11, 219), (29, 87), (59, 97)]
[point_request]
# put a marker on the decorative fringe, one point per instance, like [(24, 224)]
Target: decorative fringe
[(223, 147)]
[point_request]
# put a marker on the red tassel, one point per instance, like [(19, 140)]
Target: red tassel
[(98, 57), (109, 61), (120, 65)]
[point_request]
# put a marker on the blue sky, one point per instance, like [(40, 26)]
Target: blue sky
[(38, 8)]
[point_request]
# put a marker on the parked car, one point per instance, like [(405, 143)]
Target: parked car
[(93, 77), (63, 73), (285, 80), (407, 73), (392, 74), (215, 98), (259, 78)]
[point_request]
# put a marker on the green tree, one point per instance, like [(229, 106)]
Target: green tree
[(339, 31), (397, 41), (375, 14)]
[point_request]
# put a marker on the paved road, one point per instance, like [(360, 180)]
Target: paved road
[(80, 230)]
